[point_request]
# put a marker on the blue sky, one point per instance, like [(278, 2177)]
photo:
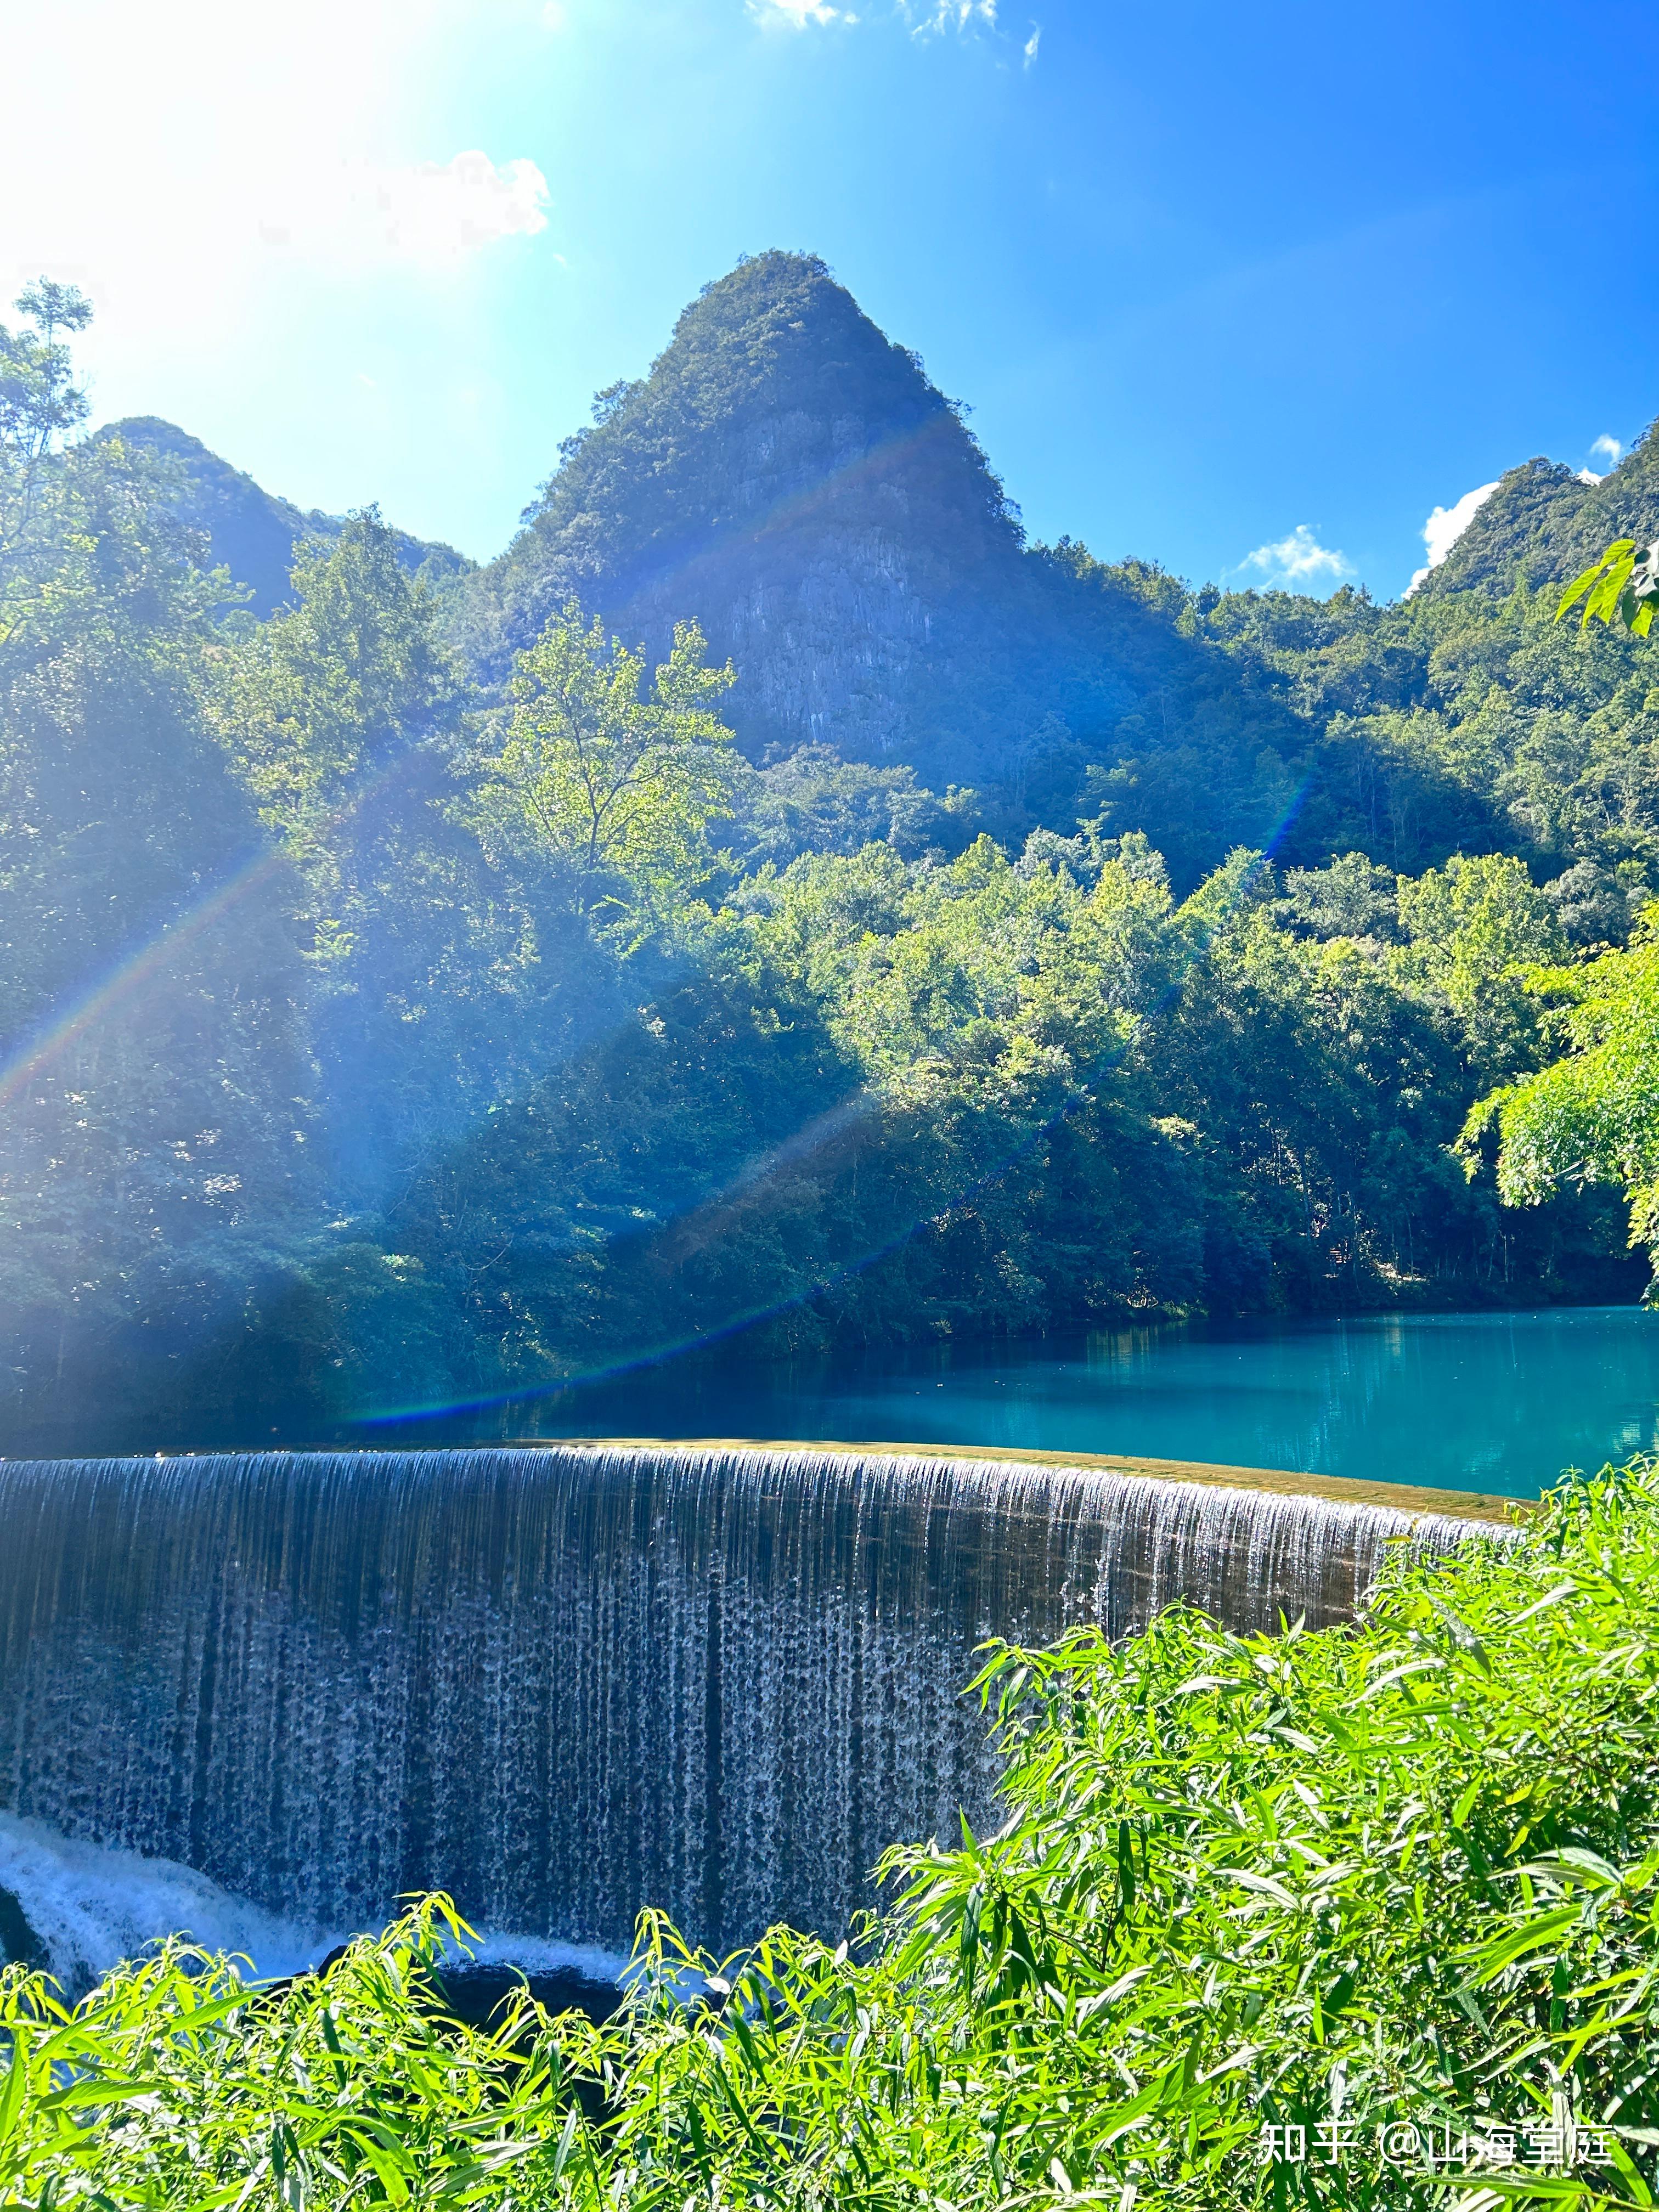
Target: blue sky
[(1213, 282)]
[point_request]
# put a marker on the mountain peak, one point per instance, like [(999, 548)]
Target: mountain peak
[(778, 361), (789, 476), (779, 327), (1545, 522)]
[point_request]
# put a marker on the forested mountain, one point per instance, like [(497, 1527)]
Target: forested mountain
[(788, 477), (1544, 523), (251, 532), (410, 997)]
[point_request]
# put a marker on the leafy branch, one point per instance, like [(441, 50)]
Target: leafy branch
[(1622, 586)]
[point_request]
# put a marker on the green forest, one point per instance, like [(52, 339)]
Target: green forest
[(423, 983)]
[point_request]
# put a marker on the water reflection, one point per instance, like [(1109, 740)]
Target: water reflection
[(1478, 1401), (1496, 1402)]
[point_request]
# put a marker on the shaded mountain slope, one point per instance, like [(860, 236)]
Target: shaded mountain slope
[(788, 476), (253, 533)]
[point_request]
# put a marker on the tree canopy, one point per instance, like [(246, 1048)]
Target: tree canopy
[(612, 782)]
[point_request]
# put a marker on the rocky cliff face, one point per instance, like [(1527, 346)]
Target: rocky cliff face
[(790, 477)]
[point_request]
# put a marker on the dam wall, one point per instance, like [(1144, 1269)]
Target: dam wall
[(564, 1683)]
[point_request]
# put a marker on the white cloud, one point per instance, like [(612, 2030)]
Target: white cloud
[(225, 159), (1609, 449), (1446, 525), (432, 212), (933, 16), (437, 212), (1032, 44), (1589, 475), (926, 18), (553, 14), (258, 205), (1296, 563)]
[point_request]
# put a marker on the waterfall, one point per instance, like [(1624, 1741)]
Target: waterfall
[(564, 1683)]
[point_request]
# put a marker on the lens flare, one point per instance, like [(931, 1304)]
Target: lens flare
[(828, 1128)]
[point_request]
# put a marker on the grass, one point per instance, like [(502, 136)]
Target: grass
[(1398, 1876)]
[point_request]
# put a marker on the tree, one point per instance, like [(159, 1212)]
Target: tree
[(615, 784), (335, 685), (40, 400), (1473, 928), (1592, 1117), (152, 1167)]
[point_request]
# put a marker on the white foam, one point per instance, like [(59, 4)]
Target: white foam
[(93, 1905), (539, 1955)]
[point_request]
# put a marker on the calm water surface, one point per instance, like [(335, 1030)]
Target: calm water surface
[(1468, 1402), (1463, 1402)]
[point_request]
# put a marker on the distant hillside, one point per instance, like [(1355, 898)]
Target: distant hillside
[(1178, 1008), (253, 533), (788, 476), (1544, 523)]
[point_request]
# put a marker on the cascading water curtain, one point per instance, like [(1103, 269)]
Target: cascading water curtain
[(565, 1683)]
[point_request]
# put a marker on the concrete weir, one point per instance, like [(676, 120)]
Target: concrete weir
[(565, 1681)]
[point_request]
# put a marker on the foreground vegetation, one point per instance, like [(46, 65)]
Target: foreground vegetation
[(1392, 1879)]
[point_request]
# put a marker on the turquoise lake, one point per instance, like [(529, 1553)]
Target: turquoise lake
[(1494, 1402)]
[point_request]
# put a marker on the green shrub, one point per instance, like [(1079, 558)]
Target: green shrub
[(176, 2084), (1400, 1876)]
